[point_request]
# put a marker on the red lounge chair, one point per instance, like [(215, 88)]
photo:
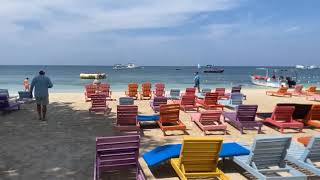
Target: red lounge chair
[(105, 89), (313, 117), (187, 103), (146, 91), (282, 118), (89, 90), (189, 91), (169, 118), (282, 91), (221, 93), (132, 90), (98, 103), (311, 90), (209, 121), (297, 91), (159, 92), (127, 118), (210, 101)]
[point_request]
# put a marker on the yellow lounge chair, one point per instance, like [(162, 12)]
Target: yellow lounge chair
[(198, 158)]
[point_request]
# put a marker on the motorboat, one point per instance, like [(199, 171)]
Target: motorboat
[(93, 76), (307, 67), (279, 77), (212, 69), (128, 66)]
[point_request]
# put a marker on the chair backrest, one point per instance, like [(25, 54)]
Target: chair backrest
[(169, 113), (117, 152), (312, 150), (4, 101), (157, 101), (211, 98), (24, 94), (283, 113), (91, 88), (188, 100), (220, 91), (175, 92), (4, 92), (146, 89), (126, 101), (190, 91), (105, 88), (314, 113), (132, 89), (159, 89), (282, 90), (199, 154), (98, 100), (210, 116), (298, 88), (205, 90), (236, 89), (247, 112), (236, 98), (269, 151), (312, 89), (127, 114)]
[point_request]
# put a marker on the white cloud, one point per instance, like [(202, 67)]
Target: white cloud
[(292, 29), (219, 30)]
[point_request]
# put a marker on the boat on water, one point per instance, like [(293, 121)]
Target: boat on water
[(279, 77), (93, 76), (307, 67), (212, 69), (128, 66)]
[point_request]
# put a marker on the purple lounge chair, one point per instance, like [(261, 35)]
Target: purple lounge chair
[(244, 118), (157, 101), (7, 105), (117, 152)]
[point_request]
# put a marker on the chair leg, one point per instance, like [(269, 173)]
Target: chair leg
[(281, 130)]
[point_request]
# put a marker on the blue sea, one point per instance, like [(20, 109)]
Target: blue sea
[(66, 78)]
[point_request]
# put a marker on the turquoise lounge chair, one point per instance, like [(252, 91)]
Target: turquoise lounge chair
[(174, 94), (269, 152), (306, 157), (234, 101)]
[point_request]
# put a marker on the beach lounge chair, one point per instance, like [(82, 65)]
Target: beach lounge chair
[(25, 97), (174, 94), (187, 103), (209, 121), (189, 91), (169, 118), (210, 101), (205, 90), (146, 91), (159, 92), (314, 97), (127, 118), (267, 159), (297, 90), (198, 158), (233, 102), (98, 103), (281, 92), (282, 118), (221, 93), (313, 117), (244, 118), (90, 89), (311, 90), (104, 88), (126, 101), (156, 102), (132, 90), (6, 93), (117, 153), (7, 105), (306, 157), (236, 89)]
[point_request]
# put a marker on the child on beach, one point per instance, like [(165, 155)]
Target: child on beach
[(26, 84)]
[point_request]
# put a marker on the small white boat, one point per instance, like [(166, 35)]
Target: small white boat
[(93, 75), (128, 66), (276, 81), (300, 67)]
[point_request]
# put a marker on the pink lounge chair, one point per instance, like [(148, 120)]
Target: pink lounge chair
[(282, 118), (187, 103), (98, 103), (189, 91), (297, 90), (315, 97), (159, 92), (157, 102), (105, 89), (127, 118), (209, 121), (221, 93)]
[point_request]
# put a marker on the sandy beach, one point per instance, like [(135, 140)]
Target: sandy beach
[(64, 146)]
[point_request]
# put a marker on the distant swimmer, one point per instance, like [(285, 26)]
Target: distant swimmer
[(26, 84)]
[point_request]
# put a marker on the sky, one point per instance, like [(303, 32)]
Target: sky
[(160, 32)]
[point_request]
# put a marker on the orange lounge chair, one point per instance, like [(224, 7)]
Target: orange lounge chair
[(297, 90), (189, 91), (221, 92), (89, 90), (282, 91), (159, 92), (210, 101), (169, 118), (304, 140), (98, 103), (311, 90), (187, 103), (209, 121), (146, 91), (105, 89), (127, 118), (132, 90), (313, 117), (282, 118)]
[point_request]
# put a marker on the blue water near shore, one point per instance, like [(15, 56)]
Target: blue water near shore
[(66, 78)]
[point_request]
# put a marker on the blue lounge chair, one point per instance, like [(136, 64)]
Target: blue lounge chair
[(306, 157), (7, 105), (6, 93), (269, 152), (234, 101), (174, 94), (126, 101), (25, 97)]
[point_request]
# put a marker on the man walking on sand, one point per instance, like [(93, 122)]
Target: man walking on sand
[(197, 81), (41, 84)]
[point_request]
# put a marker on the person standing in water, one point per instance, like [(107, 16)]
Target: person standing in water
[(197, 81), (41, 85), (26, 84)]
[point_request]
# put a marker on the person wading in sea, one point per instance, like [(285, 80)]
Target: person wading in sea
[(41, 84), (197, 81)]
